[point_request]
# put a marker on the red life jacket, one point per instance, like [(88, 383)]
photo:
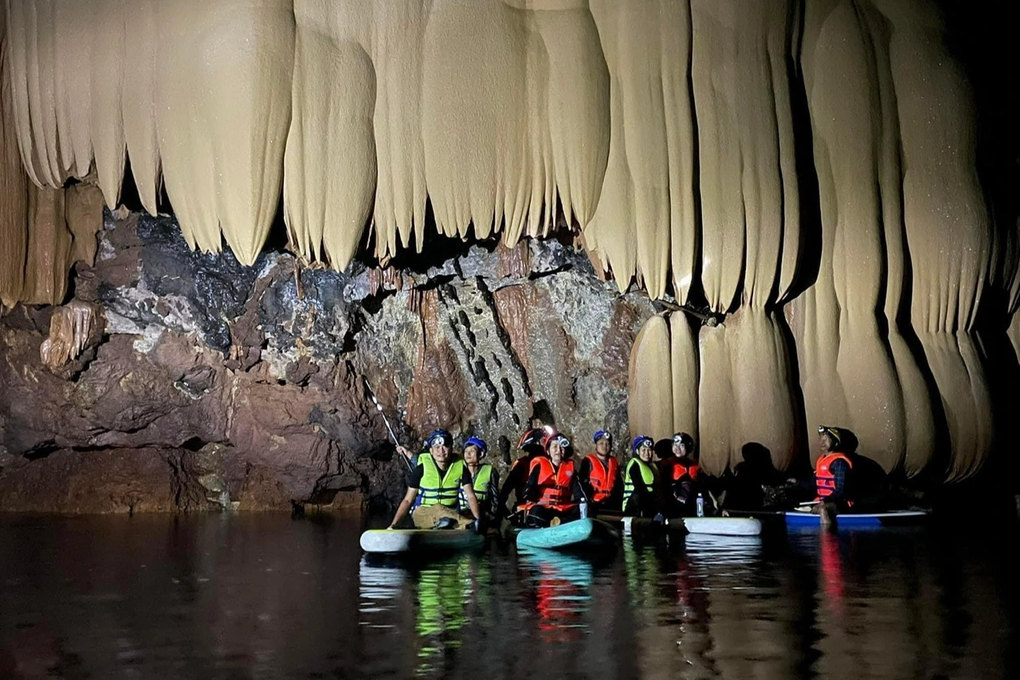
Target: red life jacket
[(825, 481), (602, 478), (674, 470), (553, 484)]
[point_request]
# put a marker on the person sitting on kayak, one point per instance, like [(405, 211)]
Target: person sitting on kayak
[(434, 486), (549, 491), (531, 444), (484, 479), (640, 480), (598, 476), (833, 474), (678, 472)]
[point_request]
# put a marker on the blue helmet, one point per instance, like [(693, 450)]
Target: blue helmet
[(439, 437), (478, 443), (602, 434), (641, 440)]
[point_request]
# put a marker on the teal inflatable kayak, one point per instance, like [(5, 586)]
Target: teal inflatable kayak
[(581, 533), (400, 541)]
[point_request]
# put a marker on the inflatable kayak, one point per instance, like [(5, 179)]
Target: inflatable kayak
[(395, 541), (718, 526), (805, 518), (580, 533)]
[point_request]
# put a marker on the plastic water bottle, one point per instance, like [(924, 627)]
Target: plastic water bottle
[(701, 506), (584, 509)]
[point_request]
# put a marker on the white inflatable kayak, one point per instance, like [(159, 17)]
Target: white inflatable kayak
[(718, 526), (394, 541)]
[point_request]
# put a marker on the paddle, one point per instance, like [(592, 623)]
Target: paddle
[(393, 436)]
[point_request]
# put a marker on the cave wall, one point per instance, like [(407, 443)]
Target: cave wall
[(804, 178)]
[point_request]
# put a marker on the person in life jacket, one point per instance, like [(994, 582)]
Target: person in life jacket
[(549, 491), (640, 480), (434, 486), (833, 474), (530, 445), (484, 478), (678, 474), (598, 476)]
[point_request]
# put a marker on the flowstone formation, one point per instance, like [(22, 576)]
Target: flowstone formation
[(795, 198)]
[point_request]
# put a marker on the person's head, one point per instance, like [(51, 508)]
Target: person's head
[(556, 447), (828, 439), (643, 447), (474, 450), (603, 443), (683, 445), (531, 442), (439, 443)]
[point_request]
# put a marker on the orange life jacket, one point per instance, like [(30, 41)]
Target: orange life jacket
[(602, 477), (553, 484), (674, 470), (825, 481)]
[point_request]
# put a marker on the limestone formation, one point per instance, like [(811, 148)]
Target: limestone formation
[(804, 174)]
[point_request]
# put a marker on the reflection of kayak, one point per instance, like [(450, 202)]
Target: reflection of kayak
[(554, 564), (805, 518), (580, 533), (391, 541), (718, 526)]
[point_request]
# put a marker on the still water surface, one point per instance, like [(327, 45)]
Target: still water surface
[(267, 596)]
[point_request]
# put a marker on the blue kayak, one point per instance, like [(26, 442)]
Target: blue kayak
[(803, 518), (580, 533)]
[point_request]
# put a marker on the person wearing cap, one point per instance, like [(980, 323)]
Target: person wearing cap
[(833, 473), (484, 479), (531, 445), (640, 480), (598, 475), (549, 490), (434, 486), (678, 472)]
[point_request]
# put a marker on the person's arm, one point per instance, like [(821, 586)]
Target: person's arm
[(508, 488), (472, 499), (405, 506), (839, 470), (531, 491), (582, 482)]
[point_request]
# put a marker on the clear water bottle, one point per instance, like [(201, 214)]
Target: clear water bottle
[(584, 509), (701, 506)]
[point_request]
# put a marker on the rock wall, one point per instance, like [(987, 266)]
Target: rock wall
[(210, 384)]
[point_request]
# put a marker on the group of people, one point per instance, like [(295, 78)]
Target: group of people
[(548, 487), (545, 484)]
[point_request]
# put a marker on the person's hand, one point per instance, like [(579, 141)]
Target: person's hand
[(405, 453)]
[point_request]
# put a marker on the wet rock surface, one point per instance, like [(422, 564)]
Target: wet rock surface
[(219, 387)]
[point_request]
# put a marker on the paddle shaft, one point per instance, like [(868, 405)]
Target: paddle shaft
[(386, 421)]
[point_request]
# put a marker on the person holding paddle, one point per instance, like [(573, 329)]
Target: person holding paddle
[(434, 486)]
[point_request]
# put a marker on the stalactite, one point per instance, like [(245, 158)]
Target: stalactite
[(645, 220), (13, 187), (650, 383)]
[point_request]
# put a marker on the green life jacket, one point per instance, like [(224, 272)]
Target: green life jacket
[(482, 484), (437, 488), (648, 475)]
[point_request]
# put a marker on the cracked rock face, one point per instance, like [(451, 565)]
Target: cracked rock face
[(214, 386)]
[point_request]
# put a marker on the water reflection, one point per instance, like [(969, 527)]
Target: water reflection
[(271, 597)]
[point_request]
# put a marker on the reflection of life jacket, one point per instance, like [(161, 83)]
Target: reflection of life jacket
[(482, 484), (673, 469), (438, 488), (825, 481), (602, 477), (648, 475), (553, 484)]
